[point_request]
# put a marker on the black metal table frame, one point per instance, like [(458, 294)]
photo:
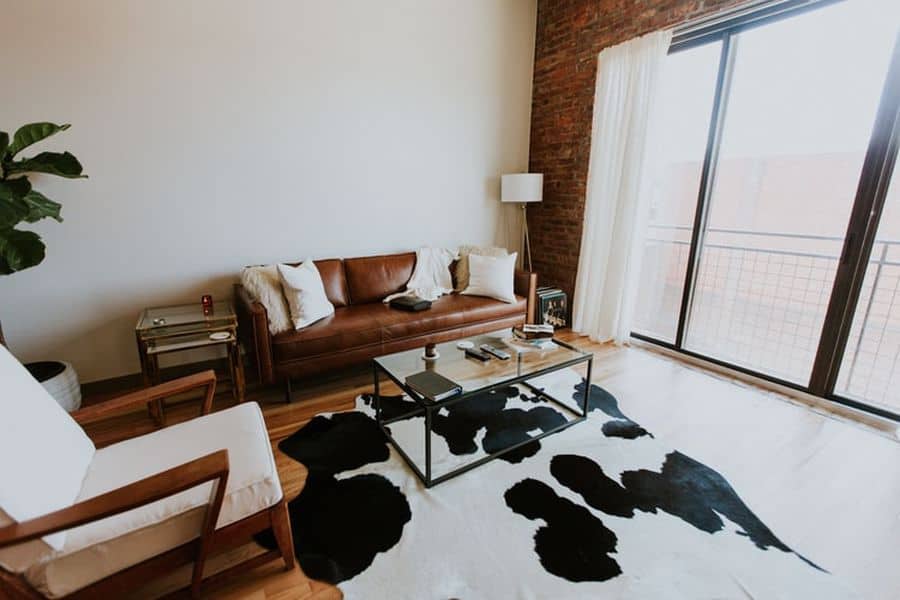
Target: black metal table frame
[(429, 408)]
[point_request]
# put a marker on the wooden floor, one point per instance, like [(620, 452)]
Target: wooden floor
[(337, 392)]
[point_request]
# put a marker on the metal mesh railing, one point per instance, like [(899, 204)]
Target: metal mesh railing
[(760, 300)]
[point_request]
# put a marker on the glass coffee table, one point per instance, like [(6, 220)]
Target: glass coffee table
[(476, 379)]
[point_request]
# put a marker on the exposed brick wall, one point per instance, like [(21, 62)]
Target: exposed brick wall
[(570, 34)]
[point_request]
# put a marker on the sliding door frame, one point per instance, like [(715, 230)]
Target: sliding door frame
[(874, 181), (707, 181), (751, 15)]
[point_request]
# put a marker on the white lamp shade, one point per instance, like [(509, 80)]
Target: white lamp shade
[(522, 187)]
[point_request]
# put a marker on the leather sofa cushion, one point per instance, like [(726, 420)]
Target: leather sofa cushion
[(348, 327), (332, 272), (449, 312), (479, 308), (362, 325), (371, 278), (444, 313)]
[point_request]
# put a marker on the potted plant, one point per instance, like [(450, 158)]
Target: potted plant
[(20, 248)]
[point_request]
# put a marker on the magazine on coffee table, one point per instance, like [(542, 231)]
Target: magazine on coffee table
[(433, 386)]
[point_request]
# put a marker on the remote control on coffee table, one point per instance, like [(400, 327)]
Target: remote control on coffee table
[(495, 351)]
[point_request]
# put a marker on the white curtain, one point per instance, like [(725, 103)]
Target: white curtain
[(620, 174)]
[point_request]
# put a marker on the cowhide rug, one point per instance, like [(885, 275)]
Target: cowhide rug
[(602, 509)]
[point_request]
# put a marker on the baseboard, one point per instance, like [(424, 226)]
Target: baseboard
[(102, 389), (125, 383)]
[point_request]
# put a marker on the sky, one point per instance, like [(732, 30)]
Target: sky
[(798, 119), (808, 84)]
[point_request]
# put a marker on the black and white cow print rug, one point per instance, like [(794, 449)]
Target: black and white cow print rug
[(601, 509)]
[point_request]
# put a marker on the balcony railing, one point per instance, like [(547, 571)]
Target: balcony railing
[(760, 300)]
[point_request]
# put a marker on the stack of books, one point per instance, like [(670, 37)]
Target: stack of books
[(533, 331), (552, 306), (539, 337)]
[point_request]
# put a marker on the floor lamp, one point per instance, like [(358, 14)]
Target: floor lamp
[(523, 188)]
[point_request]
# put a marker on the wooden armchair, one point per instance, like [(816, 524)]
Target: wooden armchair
[(79, 522)]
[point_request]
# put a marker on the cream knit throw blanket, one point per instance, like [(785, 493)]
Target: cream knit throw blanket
[(431, 278)]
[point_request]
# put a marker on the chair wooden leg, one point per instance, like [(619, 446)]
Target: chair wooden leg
[(288, 393), (281, 527), (205, 543)]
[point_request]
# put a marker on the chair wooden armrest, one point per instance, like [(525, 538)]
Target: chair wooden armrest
[(102, 410), (186, 464), (212, 467)]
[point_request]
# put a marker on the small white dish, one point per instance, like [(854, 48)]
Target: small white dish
[(220, 336), (464, 345)]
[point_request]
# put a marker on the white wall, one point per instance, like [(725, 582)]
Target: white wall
[(219, 134)]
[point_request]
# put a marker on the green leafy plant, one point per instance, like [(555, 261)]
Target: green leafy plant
[(19, 202)]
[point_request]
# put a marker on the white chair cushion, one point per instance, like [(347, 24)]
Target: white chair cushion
[(44, 454), (70, 572), (16, 559), (98, 549)]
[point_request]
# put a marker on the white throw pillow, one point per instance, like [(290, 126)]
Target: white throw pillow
[(462, 265), (492, 276), (305, 293), (264, 285)]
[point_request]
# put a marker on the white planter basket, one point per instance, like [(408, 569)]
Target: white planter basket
[(65, 388)]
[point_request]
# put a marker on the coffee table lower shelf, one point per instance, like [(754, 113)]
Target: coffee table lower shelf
[(428, 409)]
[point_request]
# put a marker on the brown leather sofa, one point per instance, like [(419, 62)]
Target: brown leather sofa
[(363, 327)]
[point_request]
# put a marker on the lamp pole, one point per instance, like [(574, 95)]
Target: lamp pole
[(526, 245)]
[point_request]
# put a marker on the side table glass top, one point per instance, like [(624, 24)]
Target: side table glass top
[(164, 321)]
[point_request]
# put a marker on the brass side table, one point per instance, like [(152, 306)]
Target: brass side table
[(166, 329)]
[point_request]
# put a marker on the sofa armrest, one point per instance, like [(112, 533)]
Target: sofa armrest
[(525, 284), (253, 330)]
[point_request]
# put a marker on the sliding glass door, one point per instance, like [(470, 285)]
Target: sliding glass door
[(688, 89), (748, 239), (795, 128), (870, 369)]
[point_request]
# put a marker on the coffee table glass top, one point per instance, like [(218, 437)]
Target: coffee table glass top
[(473, 375)]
